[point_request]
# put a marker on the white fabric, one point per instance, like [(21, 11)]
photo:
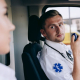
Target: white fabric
[(6, 73), (48, 57)]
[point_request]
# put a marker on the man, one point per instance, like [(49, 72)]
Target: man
[(56, 58)]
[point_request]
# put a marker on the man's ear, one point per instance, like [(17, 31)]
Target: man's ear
[(43, 32)]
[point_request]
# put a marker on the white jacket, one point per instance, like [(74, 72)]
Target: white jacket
[(53, 64), (6, 73)]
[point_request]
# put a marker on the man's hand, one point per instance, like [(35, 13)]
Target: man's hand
[(75, 46)]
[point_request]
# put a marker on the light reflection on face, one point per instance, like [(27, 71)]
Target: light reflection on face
[(5, 28)]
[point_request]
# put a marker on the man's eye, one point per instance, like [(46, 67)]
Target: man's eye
[(60, 24), (52, 27)]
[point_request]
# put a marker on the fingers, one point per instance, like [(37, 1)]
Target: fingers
[(72, 39)]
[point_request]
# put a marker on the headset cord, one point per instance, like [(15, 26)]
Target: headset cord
[(58, 52)]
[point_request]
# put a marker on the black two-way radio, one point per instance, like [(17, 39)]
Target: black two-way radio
[(76, 36)]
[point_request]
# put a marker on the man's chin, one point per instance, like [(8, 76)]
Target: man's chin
[(59, 40), (56, 40)]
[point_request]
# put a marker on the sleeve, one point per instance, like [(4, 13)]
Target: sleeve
[(55, 68)]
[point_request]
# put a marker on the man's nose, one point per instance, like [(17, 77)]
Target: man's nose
[(58, 29)]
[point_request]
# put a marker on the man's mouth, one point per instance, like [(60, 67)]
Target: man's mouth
[(59, 35)]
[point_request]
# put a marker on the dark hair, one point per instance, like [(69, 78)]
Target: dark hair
[(47, 15)]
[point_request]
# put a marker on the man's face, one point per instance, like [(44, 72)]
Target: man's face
[(54, 29)]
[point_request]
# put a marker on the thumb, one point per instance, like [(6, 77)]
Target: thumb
[(72, 39)]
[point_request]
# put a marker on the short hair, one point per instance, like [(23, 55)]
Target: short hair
[(47, 15)]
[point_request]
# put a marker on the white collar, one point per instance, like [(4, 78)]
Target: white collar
[(58, 46)]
